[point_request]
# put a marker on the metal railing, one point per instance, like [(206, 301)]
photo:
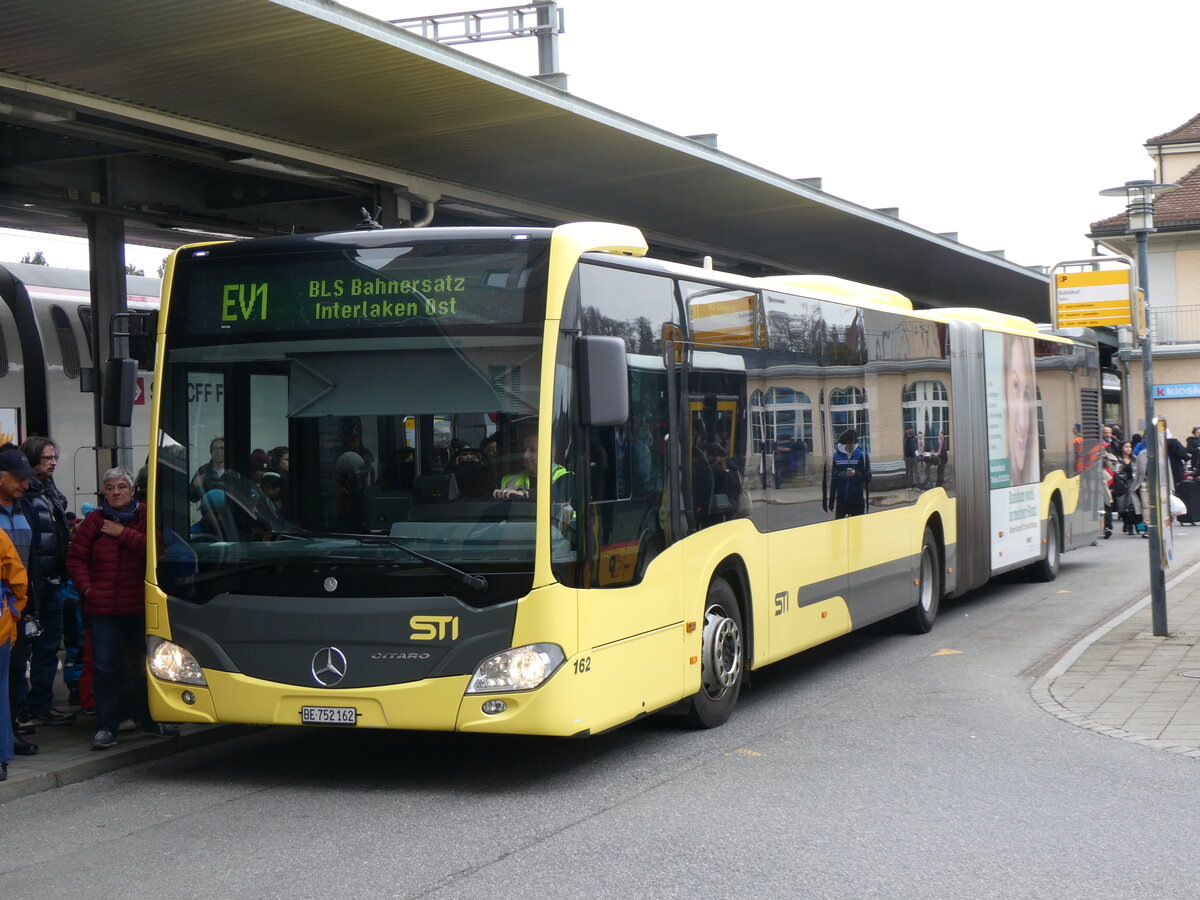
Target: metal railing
[(475, 26), (1176, 324)]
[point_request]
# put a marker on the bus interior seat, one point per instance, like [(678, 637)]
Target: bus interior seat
[(431, 489), (382, 509), (473, 481)]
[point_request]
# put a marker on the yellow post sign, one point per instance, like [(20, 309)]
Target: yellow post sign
[(1092, 299)]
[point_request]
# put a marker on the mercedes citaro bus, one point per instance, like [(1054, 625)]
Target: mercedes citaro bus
[(536, 482)]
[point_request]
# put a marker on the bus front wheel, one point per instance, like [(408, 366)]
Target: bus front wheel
[(723, 658)]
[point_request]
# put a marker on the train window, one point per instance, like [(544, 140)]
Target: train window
[(85, 319), (66, 341), (3, 355)]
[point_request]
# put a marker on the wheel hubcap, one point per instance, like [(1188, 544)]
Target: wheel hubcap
[(926, 580), (722, 652)]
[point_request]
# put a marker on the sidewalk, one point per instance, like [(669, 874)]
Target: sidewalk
[(65, 753), (1123, 681)]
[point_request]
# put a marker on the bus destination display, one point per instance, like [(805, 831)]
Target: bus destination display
[(346, 294)]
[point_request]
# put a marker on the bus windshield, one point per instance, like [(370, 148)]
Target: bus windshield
[(293, 451)]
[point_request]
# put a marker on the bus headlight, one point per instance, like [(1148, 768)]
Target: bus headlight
[(170, 662), (518, 669)]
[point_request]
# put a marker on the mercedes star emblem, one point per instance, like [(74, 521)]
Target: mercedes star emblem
[(328, 666), (331, 584)]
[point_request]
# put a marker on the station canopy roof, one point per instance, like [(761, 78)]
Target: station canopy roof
[(311, 88)]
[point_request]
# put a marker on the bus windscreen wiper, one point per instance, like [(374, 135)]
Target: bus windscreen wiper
[(475, 582)]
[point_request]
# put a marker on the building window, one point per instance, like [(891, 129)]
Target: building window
[(780, 413), (848, 409), (925, 408)]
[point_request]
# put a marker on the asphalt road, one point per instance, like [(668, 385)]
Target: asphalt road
[(872, 767)]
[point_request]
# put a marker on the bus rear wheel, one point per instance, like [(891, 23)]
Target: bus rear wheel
[(1046, 568), (920, 618), (723, 658)]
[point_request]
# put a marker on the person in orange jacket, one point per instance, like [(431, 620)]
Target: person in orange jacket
[(14, 591)]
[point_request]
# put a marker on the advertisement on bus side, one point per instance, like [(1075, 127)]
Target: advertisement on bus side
[(1013, 469)]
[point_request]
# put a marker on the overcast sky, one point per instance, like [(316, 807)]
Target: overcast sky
[(1001, 122)]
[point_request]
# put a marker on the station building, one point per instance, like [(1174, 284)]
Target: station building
[(1174, 283)]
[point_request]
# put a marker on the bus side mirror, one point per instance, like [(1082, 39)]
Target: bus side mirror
[(119, 386), (143, 332), (603, 380)]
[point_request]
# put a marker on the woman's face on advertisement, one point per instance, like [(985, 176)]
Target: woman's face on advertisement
[(1018, 382)]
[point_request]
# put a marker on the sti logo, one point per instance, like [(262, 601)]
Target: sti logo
[(433, 628)]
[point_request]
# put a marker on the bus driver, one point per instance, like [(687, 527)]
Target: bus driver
[(520, 485)]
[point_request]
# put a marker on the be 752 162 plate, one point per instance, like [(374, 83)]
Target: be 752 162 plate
[(328, 715)]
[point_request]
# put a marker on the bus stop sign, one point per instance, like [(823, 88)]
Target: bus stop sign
[(1094, 297)]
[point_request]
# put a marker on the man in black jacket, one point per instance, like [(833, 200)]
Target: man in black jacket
[(46, 502)]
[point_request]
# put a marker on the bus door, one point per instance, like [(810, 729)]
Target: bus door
[(809, 555)]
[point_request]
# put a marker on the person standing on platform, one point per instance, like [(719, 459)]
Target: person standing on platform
[(14, 588), (1193, 449), (107, 562), (19, 522), (1177, 459), (48, 504)]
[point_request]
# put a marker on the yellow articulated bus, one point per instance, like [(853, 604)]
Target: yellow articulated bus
[(530, 481)]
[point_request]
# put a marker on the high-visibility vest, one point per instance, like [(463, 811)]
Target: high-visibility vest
[(523, 481)]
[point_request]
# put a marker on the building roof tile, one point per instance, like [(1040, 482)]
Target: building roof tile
[(1186, 133), (1177, 208)]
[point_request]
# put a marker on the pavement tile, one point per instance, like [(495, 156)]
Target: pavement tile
[(1127, 682)]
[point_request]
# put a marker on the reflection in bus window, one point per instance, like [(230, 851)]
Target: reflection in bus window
[(925, 411), (848, 409)]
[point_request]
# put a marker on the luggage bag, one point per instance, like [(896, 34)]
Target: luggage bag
[(1189, 493)]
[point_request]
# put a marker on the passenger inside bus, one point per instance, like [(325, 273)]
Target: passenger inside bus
[(211, 474), (472, 479), (400, 470)]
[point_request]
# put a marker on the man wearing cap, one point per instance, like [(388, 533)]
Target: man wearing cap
[(20, 524)]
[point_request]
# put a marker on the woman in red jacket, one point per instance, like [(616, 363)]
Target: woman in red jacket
[(107, 561)]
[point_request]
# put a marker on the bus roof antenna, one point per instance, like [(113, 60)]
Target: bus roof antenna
[(368, 223)]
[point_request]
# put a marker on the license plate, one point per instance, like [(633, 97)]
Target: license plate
[(328, 715)]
